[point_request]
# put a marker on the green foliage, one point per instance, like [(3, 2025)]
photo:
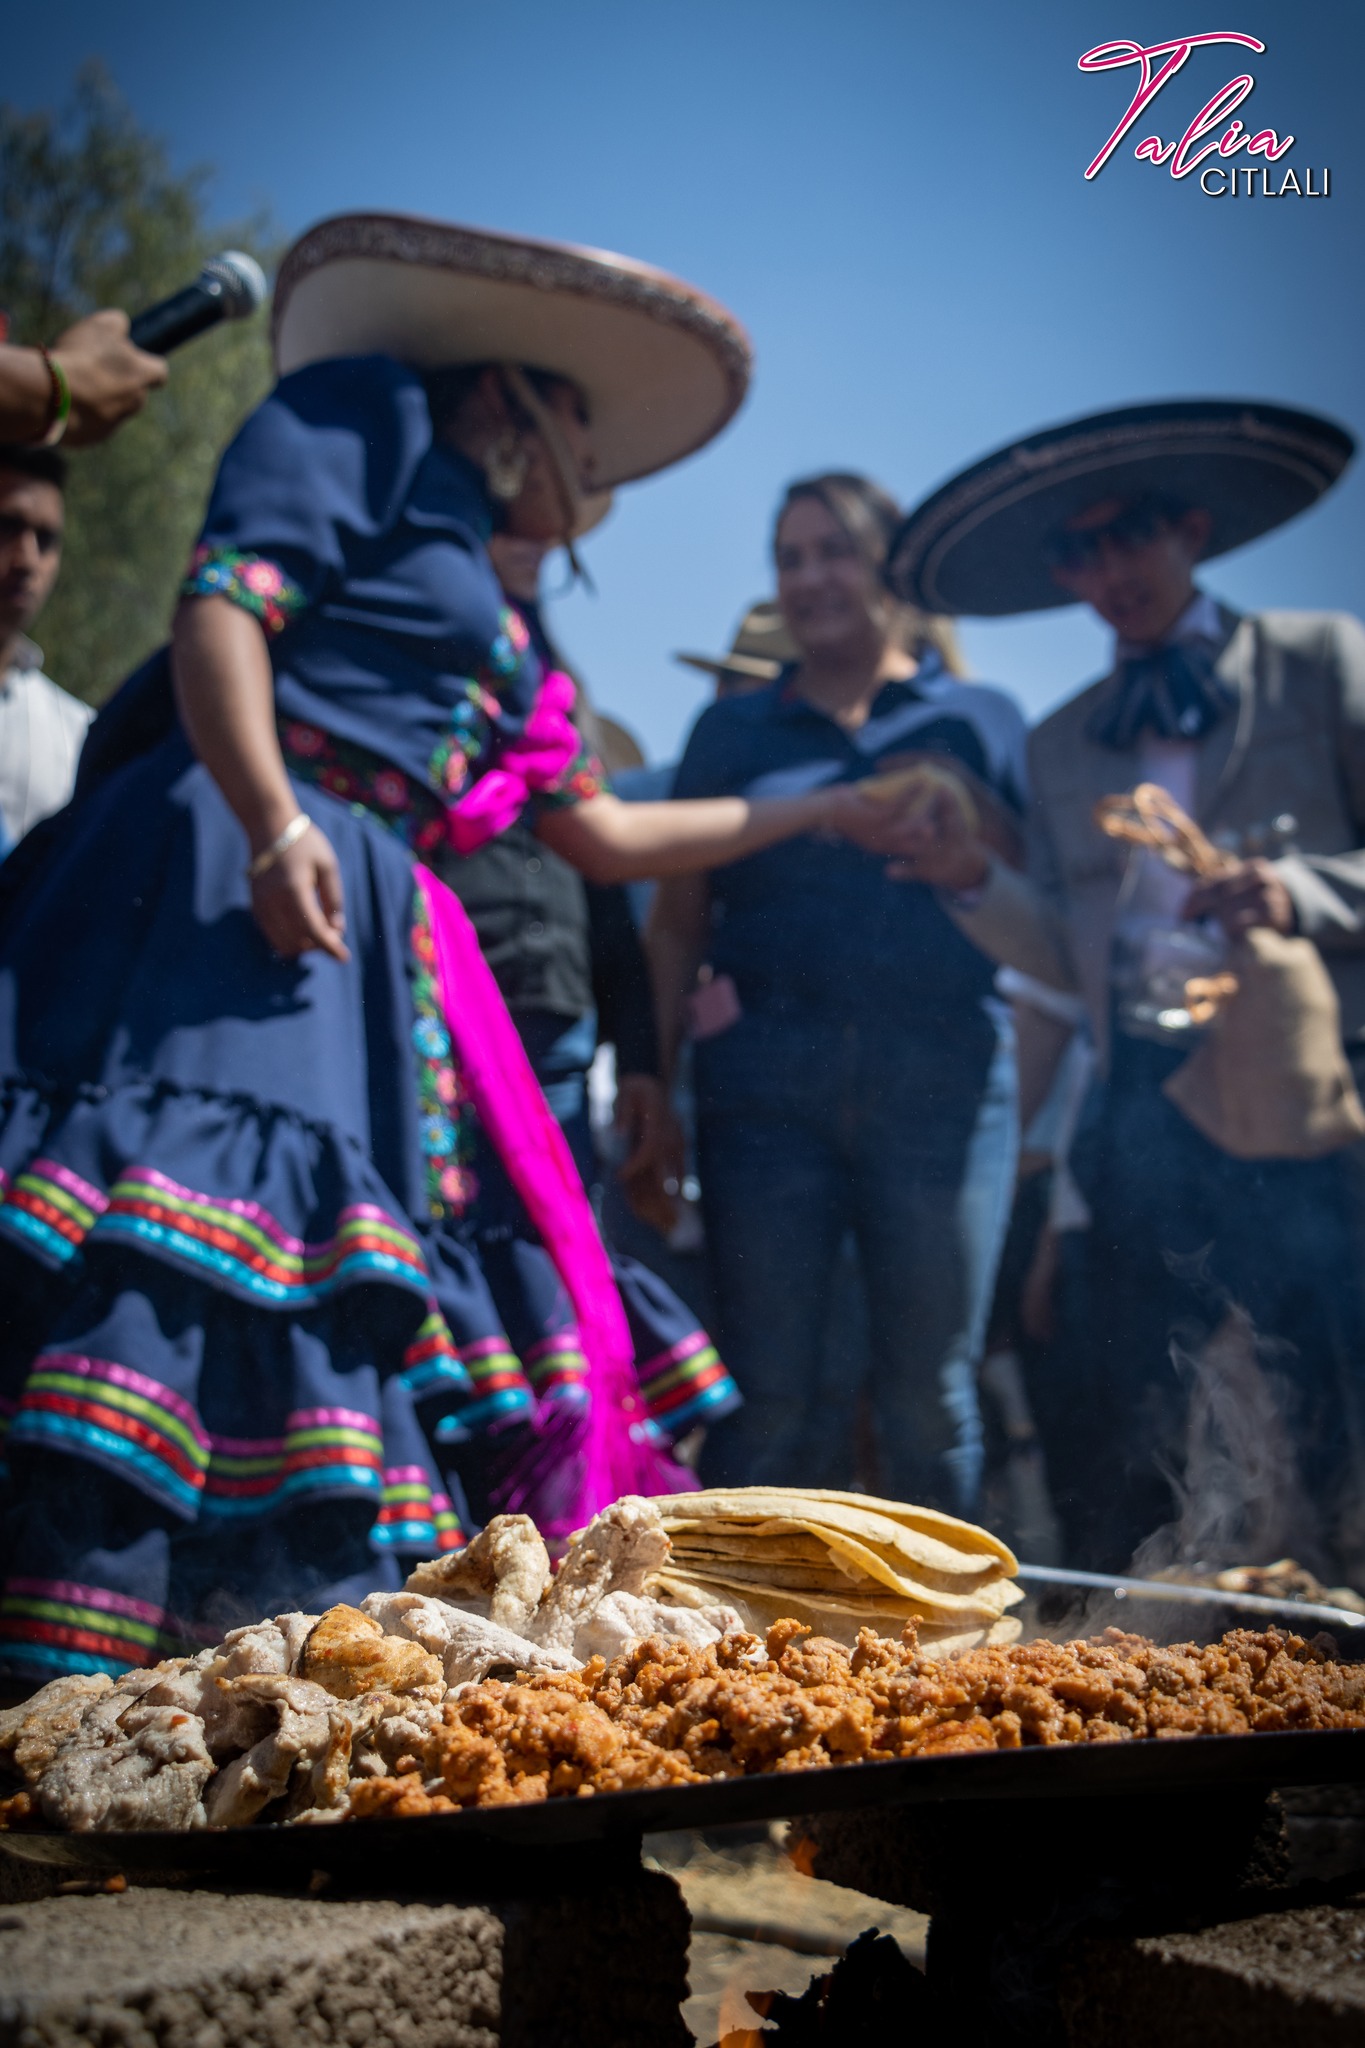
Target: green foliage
[(91, 215)]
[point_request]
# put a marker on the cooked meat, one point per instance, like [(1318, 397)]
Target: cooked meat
[(500, 1745), (389, 1737), (614, 1554), (347, 1653), (234, 1719), (129, 1764), (296, 1629), (271, 1648), (309, 1742), (502, 1573), (800, 1701), (468, 1645), (136, 1754), (33, 1732), (621, 1619)]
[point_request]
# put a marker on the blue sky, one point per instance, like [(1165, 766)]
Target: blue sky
[(890, 196)]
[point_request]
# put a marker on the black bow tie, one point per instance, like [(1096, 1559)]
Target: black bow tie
[(1172, 692)]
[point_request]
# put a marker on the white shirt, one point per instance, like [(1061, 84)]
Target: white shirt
[(42, 730)]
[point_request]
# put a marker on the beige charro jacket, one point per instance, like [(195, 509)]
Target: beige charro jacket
[(1295, 745)]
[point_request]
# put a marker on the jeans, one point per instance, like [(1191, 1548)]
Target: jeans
[(810, 1129)]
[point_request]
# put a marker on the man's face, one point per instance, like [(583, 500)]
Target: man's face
[(30, 547), (1132, 565)]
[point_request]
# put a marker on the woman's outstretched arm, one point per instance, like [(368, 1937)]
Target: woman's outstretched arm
[(611, 841), (225, 693)]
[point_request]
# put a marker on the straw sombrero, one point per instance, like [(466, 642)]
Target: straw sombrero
[(662, 367), (977, 544), (761, 649)]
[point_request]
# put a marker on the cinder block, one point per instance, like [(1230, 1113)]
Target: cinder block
[(195, 1969), (1280, 1980)]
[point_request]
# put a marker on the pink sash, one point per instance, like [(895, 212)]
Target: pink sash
[(505, 1092), (533, 761)]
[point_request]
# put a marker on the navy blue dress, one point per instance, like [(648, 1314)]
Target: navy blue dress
[(245, 1339)]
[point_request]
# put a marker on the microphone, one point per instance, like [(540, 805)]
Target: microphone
[(229, 287)]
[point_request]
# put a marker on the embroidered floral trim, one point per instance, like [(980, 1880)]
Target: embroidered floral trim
[(508, 651), (448, 1126), (584, 778), (372, 787), (471, 719), (256, 583), (465, 742)]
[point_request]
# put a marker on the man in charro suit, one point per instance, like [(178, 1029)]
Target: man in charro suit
[(1256, 726)]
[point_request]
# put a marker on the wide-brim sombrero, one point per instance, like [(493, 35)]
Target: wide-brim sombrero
[(977, 545), (761, 649), (662, 366)]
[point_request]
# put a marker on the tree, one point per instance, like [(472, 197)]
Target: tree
[(92, 215)]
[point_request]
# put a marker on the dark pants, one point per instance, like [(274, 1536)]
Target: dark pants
[(1181, 1233), (810, 1129)]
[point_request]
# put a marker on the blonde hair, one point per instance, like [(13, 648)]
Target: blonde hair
[(870, 516)]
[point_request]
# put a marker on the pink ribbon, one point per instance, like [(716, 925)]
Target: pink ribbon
[(536, 760), (619, 1457)]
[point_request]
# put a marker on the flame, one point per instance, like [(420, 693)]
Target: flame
[(737, 2007)]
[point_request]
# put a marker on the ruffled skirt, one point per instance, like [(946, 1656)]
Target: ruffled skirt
[(249, 1356)]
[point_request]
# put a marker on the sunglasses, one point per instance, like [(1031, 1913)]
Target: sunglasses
[(1131, 528)]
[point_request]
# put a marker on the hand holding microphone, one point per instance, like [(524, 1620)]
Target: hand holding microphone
[(99, 372), (109, 377)]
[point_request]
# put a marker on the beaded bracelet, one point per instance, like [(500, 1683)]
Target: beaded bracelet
[(268, 855), (59, 404)]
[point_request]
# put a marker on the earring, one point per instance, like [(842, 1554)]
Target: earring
[(506, 465)]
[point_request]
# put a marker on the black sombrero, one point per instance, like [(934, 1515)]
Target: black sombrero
[(976, 545)]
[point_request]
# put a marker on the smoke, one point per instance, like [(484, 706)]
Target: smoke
[(1238, 1495)]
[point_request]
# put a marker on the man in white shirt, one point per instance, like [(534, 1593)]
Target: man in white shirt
[(41, 727), (1256, 725)]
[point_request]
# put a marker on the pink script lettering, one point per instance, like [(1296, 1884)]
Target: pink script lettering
[(1182, 156)]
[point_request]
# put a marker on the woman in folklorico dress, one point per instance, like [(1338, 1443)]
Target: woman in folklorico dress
[(245, 1034)]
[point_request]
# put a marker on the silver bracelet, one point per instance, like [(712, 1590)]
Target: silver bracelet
[(268, 855)]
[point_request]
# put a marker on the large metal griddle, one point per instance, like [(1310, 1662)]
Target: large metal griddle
[(456, 1846)]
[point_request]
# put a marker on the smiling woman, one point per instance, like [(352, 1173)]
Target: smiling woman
[(852, 1073)]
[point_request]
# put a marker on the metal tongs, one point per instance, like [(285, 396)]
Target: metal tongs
[(1173, 1593)]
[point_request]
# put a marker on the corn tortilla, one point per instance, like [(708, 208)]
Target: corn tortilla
[(921, 1535)]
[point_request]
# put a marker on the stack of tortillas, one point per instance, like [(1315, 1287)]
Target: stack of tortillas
[(840, 1562)]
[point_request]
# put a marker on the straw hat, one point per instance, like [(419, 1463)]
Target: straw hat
[(761, 649), (661, 366), (977, 545)]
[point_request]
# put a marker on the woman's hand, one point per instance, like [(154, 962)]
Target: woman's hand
[(928, 833), (225, 694), (653, 1167), (937, 846), (298, 901)]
